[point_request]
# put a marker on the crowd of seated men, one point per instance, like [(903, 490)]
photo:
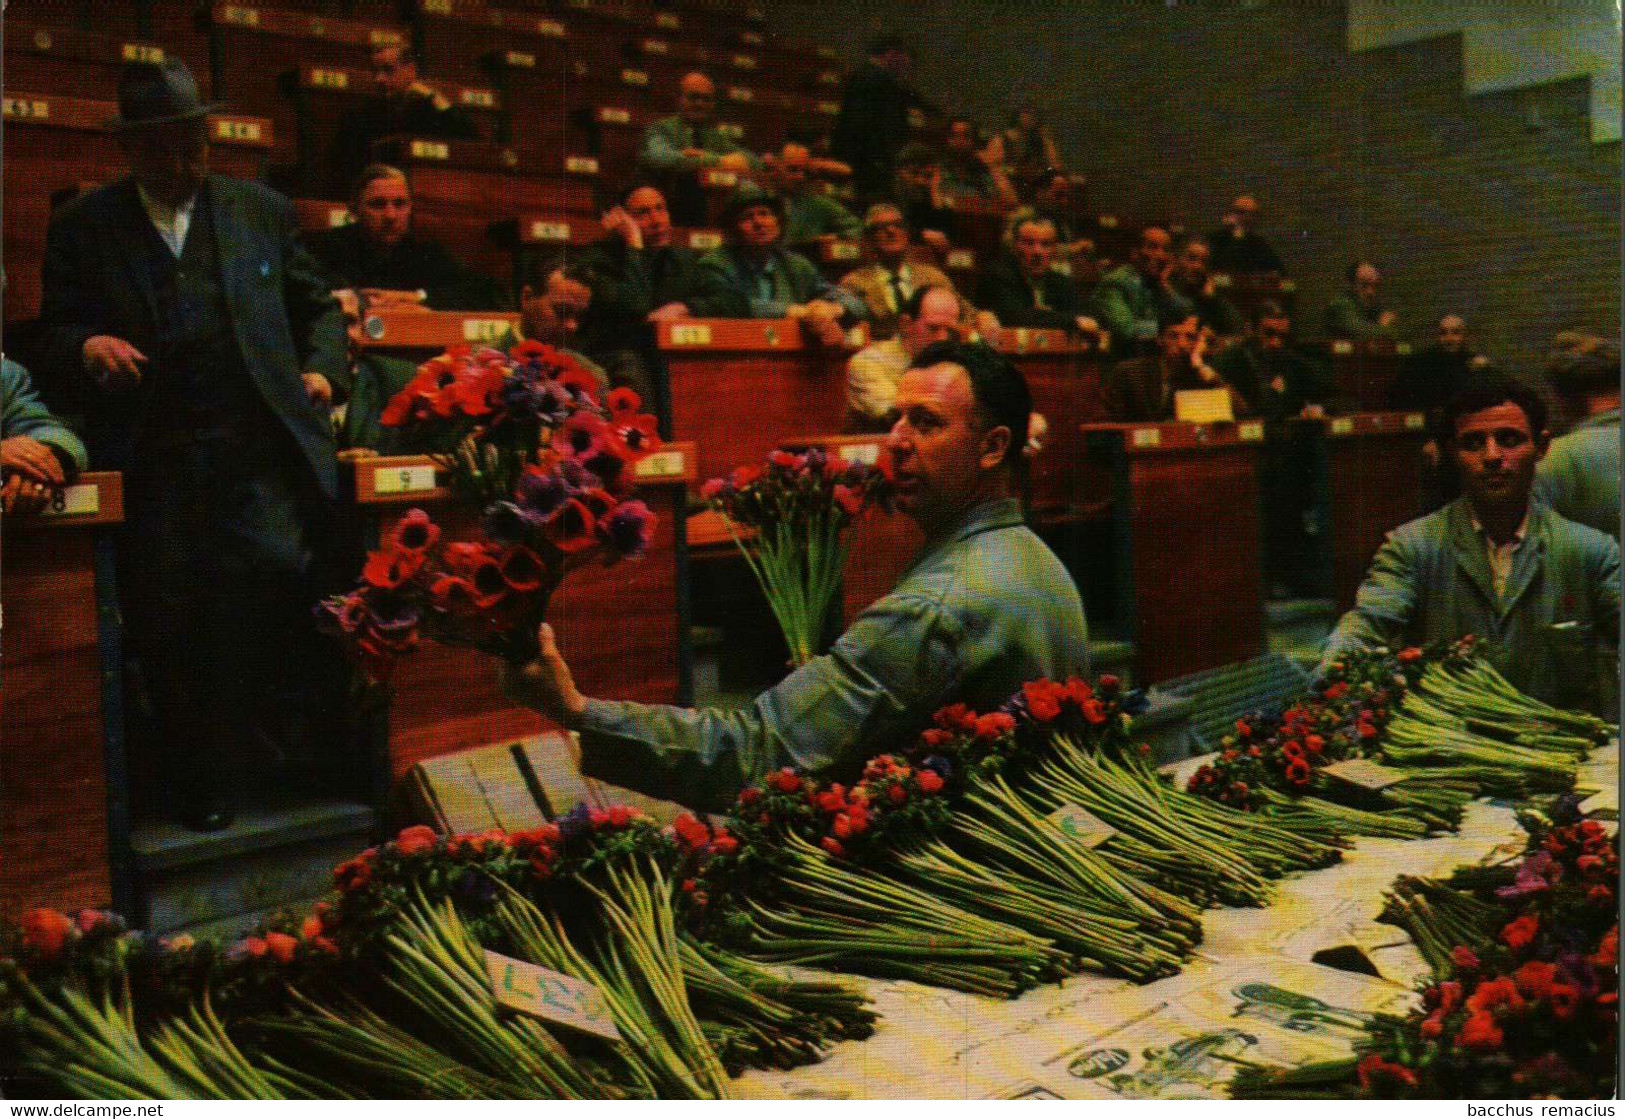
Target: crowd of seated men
[(142, 291)]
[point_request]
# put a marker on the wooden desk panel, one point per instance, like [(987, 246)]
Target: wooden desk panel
[(1364, 371), (1371, 482), (1188, 540), (1063, 376), (54, 840), (740, 387)]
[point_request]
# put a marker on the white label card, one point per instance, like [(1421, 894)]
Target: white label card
[(549, 231), (614, 116), (866, 453), (403, 479), (691, 334), (1147, 437), (83, 500), (484, 330), (141, 52), (661, 464), (1415, 421), (1342, 426), (1080, 825), (549, 995), (1365, 774), (1250, 432)]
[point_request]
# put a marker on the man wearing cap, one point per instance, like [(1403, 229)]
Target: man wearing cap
[(891, 279), (675, 148), (206, 350), (754, 277)]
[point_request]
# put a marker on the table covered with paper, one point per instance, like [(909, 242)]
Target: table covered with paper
[(1254, 995)]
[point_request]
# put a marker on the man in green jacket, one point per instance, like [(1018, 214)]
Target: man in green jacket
[(754, 276), (1543, 591), (1579, 478), (37, 451), (985, 607), (810, 214), (674, 149), (1131, 300)]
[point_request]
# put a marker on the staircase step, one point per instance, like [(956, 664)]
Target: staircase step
[(271, 858)]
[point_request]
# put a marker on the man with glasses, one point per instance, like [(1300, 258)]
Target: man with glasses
[(1543, 591), (891, 278)]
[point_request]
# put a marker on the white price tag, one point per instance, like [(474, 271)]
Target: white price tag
[(661, 464), (549, 995), (1365, 774), (1080, 825), (83, 500), (691, 334), (549, 231), (403, 479)]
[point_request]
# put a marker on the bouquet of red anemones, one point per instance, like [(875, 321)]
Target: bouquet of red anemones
[(525, 433), (485, 416), (797, 508)]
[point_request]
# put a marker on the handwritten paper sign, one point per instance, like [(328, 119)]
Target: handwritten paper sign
[(1364, 774), (1080, 825), (550, 996)]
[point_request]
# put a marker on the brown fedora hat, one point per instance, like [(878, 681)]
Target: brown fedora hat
[(152, 93)]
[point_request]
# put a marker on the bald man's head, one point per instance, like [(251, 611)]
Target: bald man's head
[(1453, 334), (696, 98)]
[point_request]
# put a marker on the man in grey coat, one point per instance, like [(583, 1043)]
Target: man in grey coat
[(1543, 591)]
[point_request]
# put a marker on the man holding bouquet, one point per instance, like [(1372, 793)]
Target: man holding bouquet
[(986, 606)]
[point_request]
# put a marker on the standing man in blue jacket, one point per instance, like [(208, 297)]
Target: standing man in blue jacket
[(206, 349)]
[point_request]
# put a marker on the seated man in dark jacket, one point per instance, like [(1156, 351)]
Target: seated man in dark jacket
[(1022, 289), (637, 278), (754, 277), (1141, 390), (382, 260), (1277, 381), (401, 104)]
